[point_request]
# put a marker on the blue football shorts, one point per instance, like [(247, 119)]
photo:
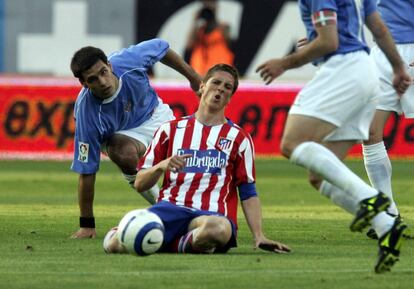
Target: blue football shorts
[(176, 220)]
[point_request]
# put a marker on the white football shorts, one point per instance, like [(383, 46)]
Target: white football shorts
[(342, 92), (388, 99), (145, 132)]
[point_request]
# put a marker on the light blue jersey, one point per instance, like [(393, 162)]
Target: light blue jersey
[(130, 106), (399, 17), (350, 21)]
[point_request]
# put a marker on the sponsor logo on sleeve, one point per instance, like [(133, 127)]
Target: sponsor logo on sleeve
[(83, 152)]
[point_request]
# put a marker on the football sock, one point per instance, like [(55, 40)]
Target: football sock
[(150, 196), (339, 197), (322, 161), (379, 170), (185, 244), (154, 191), (382, 223), (130, 179)]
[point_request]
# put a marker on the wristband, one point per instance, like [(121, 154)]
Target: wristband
[(87, 222)]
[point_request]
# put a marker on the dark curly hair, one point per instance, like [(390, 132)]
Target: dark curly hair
[(85, 58)]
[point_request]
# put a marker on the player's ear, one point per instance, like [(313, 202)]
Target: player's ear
[(201, 89), (82, 82)]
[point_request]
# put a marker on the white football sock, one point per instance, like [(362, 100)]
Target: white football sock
[(382, 223), (130, 179), (322, 161), (339, 197), (154, 191), (379, 170), (150, 196)]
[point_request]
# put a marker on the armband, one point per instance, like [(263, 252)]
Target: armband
[(247, 191), (323, 18)]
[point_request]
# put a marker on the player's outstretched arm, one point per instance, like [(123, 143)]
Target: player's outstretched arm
[(326, 42), (86, 191), (176, 62), (147, 178), (253, 214)]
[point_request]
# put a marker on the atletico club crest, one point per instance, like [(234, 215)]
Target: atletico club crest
[(224, 144)]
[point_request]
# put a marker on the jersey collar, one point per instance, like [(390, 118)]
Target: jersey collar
[(112, 98)]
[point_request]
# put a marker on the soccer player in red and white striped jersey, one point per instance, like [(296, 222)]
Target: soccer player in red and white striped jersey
[(208, 163), (220, 158)]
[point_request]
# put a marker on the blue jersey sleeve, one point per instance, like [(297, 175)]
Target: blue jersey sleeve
[(247, 191), (318, 5), (87, 147), (398, 15), (87, 155), (370, 6), (143, 55)]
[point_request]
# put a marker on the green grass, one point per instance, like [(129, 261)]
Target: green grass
[(38, 212)]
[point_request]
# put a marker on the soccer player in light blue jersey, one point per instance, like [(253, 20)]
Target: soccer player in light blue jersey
[(117, 111), (398, 15), (334, 110)]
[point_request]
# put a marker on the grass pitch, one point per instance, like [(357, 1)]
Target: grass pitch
[(38, 212)]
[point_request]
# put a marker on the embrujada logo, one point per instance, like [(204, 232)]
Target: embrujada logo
[(204, 161)]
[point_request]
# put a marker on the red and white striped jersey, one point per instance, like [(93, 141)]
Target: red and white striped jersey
[(222, 159)]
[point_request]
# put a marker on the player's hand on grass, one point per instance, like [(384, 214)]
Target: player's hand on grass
[(272, 246), (84, 233)]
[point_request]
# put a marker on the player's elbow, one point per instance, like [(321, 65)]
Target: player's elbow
[(139, 185), (140, 188), (330, 46), (327, 43)]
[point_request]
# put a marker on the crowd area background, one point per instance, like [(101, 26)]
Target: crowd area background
[(38, 39)]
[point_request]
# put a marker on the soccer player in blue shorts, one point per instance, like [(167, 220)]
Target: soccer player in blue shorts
[(335, 109), (399, 18), (117, 112), (207, 163)]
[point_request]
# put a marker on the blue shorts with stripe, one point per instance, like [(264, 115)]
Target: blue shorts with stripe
[(176, 220)]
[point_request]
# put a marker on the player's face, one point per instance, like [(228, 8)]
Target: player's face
[(217, 91), (100, 80)]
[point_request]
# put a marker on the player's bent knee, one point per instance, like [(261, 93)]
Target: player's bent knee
[(125, 159), (218, 230), (287, 147)]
